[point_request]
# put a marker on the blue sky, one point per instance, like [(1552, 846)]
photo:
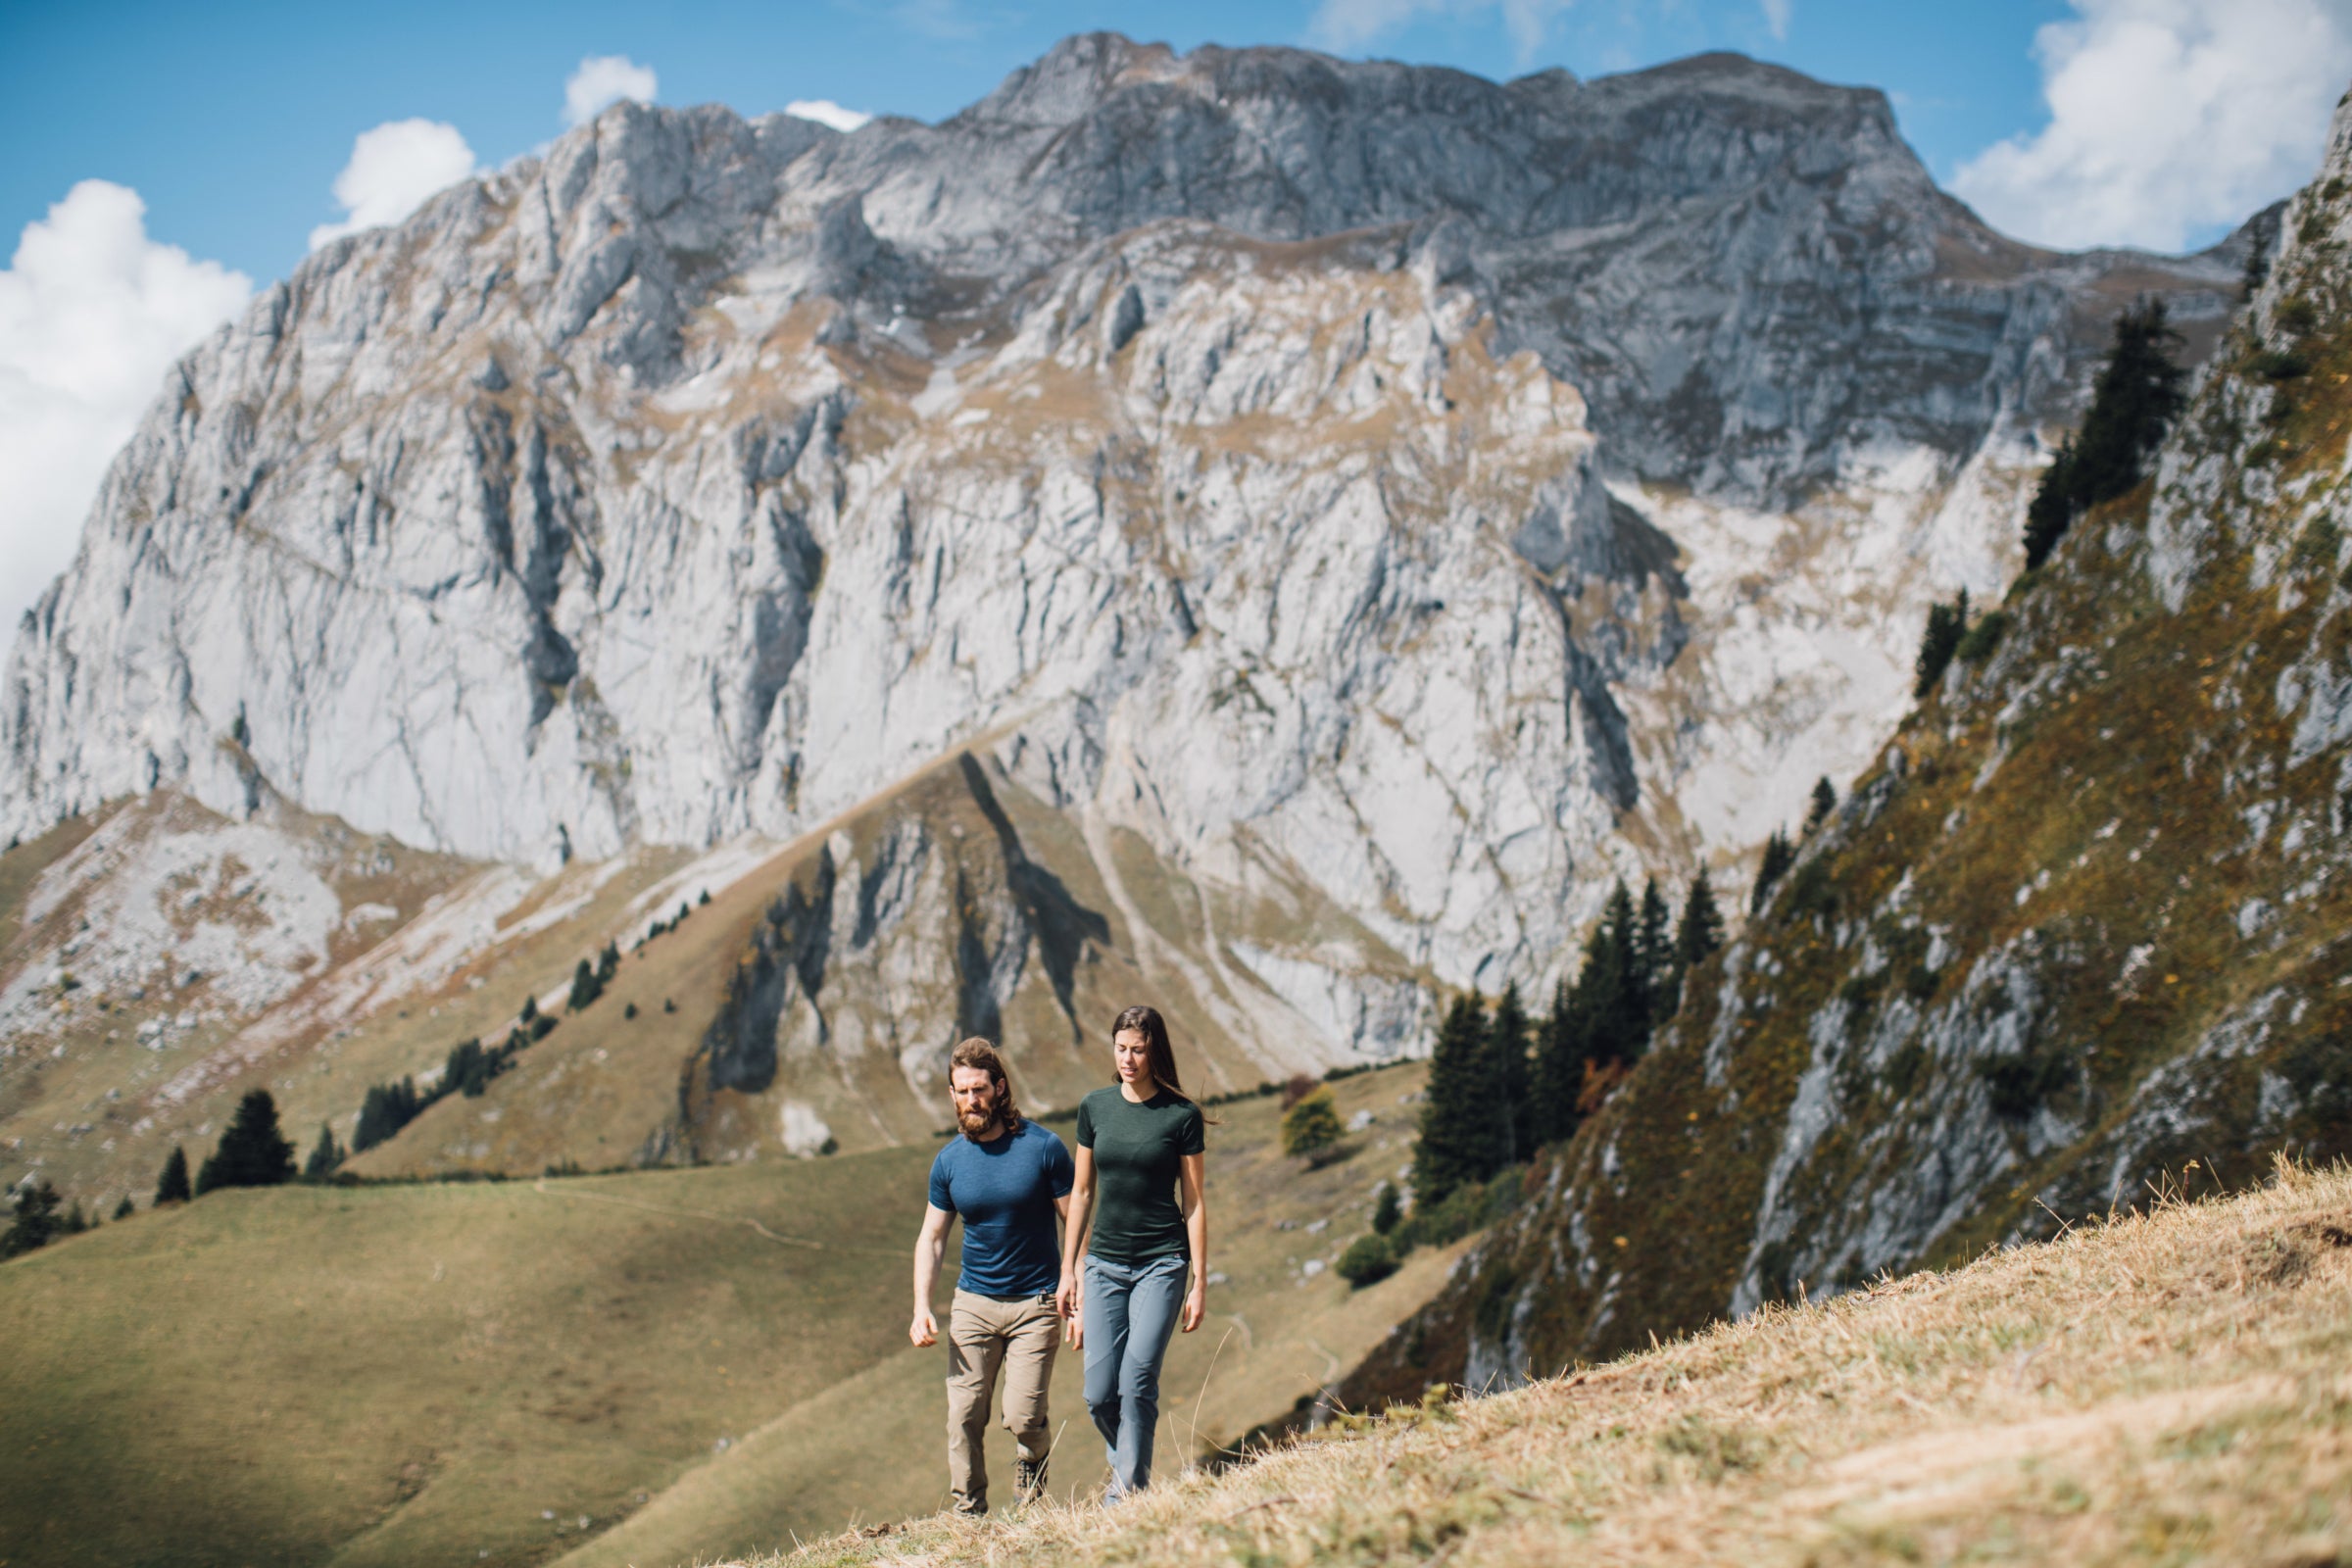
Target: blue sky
[(232, 120), (164, 161)]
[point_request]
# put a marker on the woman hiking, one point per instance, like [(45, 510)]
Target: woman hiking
[(1137, 1218)]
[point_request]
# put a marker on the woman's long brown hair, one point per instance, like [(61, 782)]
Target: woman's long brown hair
[(1148, 1022)]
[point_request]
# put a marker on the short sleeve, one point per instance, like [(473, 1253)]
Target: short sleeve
[(1086, 1123), (941, 1194), (1061, 1172), (1193, 1137)]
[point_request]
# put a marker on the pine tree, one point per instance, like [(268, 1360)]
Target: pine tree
[(2051, 512), (2139, 393), (585, 987), (1561, 1060), (1946, 625), (1507, 1071), (530, 1008), (326, 1155), (1702, 930), (252, 1153), (1779, 856), (36, 1221), (171, 1187), (1824, 800), (1621, 999), (1653, 954), (1457, 1139), (1388, 1210), (384, 1111), (126, 1209), (608, 962)]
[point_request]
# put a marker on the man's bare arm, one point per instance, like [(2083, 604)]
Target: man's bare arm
[(930, 1246)]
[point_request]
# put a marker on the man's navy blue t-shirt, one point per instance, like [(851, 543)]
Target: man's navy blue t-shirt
[(1003, 1191)]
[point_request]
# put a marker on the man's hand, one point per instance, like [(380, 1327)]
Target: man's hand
[(1069, 1302), (924, 1330), (1195, 1305)]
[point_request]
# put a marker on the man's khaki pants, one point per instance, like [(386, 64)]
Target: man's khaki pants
[(983, 1333)]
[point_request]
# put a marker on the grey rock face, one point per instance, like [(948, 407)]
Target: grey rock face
[(1207, 436)]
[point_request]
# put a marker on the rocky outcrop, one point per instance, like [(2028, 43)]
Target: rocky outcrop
[(2074, 942), (1456, 494)]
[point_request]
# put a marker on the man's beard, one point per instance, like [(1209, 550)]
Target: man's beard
[(976, 1122)]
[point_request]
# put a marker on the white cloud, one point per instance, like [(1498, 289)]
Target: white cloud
[(393, 169), (1776, 13), (2166, 117), (1351, 25), (825, 111), (92, 312), (603, 80)]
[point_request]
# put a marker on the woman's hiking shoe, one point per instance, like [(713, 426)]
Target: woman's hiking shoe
[(1028, 1478)]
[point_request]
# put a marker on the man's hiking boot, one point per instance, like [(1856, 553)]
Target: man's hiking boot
[(1028, 1478)]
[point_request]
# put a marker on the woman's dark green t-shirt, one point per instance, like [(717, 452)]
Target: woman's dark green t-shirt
[(1137, 1148)]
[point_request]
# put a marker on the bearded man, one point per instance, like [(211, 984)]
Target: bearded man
[(1008, 1180)]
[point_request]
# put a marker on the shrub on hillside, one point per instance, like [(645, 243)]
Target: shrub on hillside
[(1311, 1126), (1367, 1260), (1946, 625), (36, 1223), (1983, 638)]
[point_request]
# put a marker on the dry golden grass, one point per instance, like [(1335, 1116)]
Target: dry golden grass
[(2171, 1387)]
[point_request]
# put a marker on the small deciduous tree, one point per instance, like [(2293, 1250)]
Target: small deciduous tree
[(1311, 1126), (1367, 1260)]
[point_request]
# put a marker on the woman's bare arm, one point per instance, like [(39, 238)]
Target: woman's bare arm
[(1192, 1195)]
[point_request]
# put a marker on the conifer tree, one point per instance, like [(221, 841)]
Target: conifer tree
[(1779, 856), (1457, 1139), (2138, 395), (1824, 800), (1702, 930), (326, 1155), (608, 962), (1561, 1060), (1653, 954), (1388, 1210), (1621, 992), (126, 1209), (1507, 1071), (585, 987), (252, 1153), (1946, 625), (171, 1187), (530, 1008), (36, 1222)]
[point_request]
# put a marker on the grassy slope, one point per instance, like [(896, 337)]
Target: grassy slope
[(2082, 822), (1272, 1336), (402, 1374), (2166, 1388)]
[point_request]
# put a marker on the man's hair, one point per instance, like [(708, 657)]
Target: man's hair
[(982, 1054)]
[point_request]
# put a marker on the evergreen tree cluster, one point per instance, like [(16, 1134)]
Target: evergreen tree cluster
[(36, 1221), (588, 984), (1503, 1084), (663, 928), (467, 1071), (2138, 392)]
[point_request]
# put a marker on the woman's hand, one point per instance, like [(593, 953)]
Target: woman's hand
[(1196, 1304), (1069, 1301)]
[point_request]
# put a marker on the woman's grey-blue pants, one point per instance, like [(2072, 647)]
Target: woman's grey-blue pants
[(1130, 1314)]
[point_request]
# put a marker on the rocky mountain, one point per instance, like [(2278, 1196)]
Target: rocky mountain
[(2074, 940), (1277, 533)]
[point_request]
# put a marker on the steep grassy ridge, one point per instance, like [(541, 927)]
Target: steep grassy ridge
[(2166, 1388), (2080, 924), (421, 1373)]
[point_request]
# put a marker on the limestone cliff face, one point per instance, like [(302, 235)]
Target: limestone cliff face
[(1453, 495), (2074, 940)]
